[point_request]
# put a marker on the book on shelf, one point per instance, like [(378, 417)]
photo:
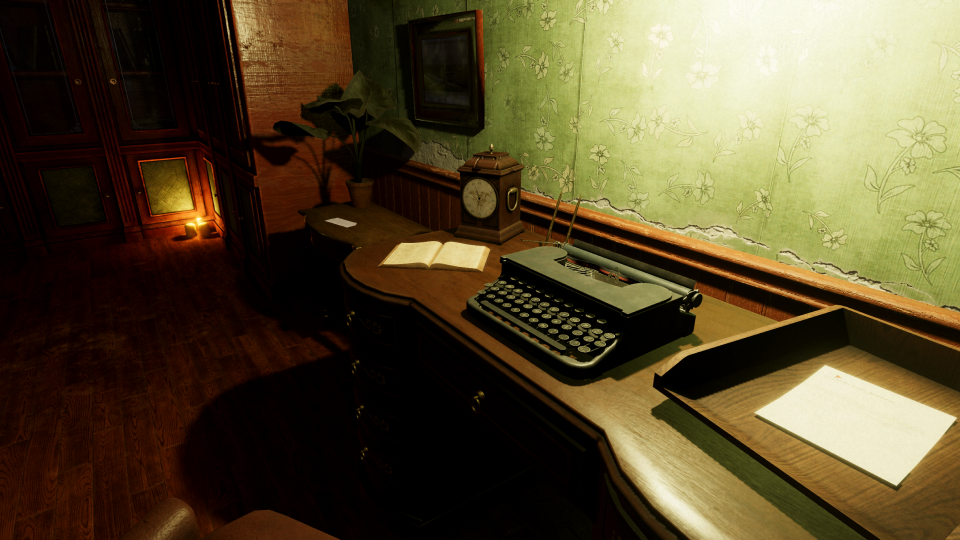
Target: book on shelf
[(438, 256)]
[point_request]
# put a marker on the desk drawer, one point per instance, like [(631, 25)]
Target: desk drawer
[(367, 324), (542, 443), (376, 377)]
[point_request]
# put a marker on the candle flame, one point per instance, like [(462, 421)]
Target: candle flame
[(198, 221)]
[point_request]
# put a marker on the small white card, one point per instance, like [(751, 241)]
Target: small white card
[(341, 222), (875, 429)]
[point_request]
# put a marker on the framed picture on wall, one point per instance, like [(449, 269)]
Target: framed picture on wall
[(447, 60)]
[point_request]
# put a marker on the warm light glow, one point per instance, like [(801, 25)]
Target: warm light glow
[(198, 222)]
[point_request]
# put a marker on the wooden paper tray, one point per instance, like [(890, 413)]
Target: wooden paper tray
[(726, 382)]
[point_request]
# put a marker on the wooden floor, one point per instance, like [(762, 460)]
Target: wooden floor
[(136, 372)]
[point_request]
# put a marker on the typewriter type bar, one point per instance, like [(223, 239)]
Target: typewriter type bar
[(580, 308)]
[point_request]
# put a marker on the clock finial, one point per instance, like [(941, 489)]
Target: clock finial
[(491, 148)]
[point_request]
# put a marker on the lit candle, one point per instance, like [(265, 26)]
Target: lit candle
[(190, 229), (205, 229)]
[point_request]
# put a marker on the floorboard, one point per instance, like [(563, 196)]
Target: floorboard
[(131, 373)]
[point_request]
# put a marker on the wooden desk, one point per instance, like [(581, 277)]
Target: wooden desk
[(620, 448), (373, 224)]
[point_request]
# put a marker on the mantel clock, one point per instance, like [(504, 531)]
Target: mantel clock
[(490, 197)]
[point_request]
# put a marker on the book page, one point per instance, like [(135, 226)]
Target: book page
[(876, 430), (412, 255), (455, 255)]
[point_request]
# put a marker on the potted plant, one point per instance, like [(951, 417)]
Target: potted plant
[(359, 108)]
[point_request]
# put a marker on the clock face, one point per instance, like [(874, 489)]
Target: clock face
[(479, 198)]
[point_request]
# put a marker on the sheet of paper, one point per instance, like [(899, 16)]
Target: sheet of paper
[(341, 222), (881, 432)]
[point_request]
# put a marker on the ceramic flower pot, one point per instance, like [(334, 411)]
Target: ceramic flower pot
[(360, 192)]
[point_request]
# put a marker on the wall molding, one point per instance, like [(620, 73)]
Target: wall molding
[(771, 288)]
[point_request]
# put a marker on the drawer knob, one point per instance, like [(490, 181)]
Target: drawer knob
[(477, 400), (359, 410), (363, 453), (353, 367), (350, 315)]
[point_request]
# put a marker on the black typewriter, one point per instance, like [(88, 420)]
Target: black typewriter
[(582, 305)]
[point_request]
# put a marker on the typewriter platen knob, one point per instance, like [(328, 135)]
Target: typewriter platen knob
[(477, 400)]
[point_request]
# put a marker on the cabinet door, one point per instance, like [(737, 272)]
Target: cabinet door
[(139, 59), (228, 206), (167, 186), (73, 197), (41, 80), (251, 224), (226, 62), (9, 232)]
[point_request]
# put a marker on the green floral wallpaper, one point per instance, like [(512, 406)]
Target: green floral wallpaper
[(820, 133)]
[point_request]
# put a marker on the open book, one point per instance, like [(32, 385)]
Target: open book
[(437, 256)]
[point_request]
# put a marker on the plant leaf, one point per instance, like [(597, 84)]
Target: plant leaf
[(578, 6), (553, 102), (952, 170), (613, 112), (725, 153), (909, 262), (716, 142), (546, 161), (740, 208), (893, 192), (561, 45), (672, 179), (299, 130), (798, 163), (402, 128), (673, 196), (692, 127), (685, 143), (715, 26), (527, 48), (821, 214), (745, 217), (870, 180), (657, 74), (544, 101), (933, 266), (609, 125), (580, 20), (804, 52), (636, 170), (781, 157), (375, 99), (605, 70), (593, 182), (943, 58), (810, 220), (645, 72), (735, 12)]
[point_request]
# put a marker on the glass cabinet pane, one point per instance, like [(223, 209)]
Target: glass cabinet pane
[(213, 188), (136, 48), (168, 186), (33, 53), (74, 196)]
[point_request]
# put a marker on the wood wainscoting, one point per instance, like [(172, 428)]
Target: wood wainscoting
[(430, 196)]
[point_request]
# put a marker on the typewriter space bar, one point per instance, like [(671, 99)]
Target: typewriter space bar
[(524, 326)]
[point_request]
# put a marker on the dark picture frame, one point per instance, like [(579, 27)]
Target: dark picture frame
[(447, 60)]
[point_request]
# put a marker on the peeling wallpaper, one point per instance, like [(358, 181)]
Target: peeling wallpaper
[(820, 133)]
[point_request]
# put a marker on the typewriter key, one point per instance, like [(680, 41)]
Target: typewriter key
[(563, 337), (583, 349), (524, 315), (577, 333), (501, 282), (601, 321), (578, 310), (526, 295), (488, 284), (608, 336), (585, 325), (528, 306), (491, 296), (507, 304), (568, 306), (548, 296), (552, 331), (573, 320), (556, 321), (498, 300), (589, 339), (596, 331), (511, 297), (543, 325), (513, 309), (574, 343), (510, 286), (566, 327), (522, 282), (533, 320), (554, 310), (536, 311), (502, 292), (494, 289), (563, 314), (590, 316), (558, 300), (534, 300)]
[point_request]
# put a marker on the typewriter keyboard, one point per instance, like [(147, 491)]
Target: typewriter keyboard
[(546, 319)]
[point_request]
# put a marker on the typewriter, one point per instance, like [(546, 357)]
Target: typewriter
[(584, 306)]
